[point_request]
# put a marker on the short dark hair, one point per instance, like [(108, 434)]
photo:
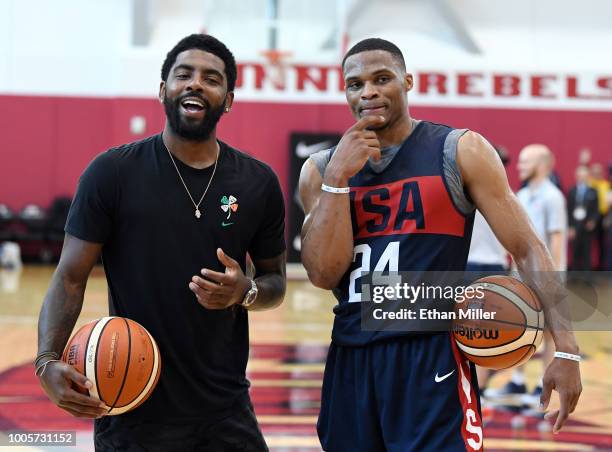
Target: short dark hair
[(376, 44), (206, 43)]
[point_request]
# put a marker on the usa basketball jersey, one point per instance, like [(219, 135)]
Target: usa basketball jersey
[(411, 217)]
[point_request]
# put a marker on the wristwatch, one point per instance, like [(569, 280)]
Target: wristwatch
[(250, 296)]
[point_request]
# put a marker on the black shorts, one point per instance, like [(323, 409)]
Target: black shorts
[(237, 432)]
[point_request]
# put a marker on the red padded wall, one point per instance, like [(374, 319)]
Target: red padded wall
[(48, 141)]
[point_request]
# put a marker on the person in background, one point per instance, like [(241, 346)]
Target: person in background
[(584, 157), (602, 187), (583, 213), (553, 175)]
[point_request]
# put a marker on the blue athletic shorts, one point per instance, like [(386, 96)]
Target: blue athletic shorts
[(415, 393)]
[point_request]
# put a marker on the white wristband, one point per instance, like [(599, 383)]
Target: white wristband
[(569, 356), (329, 189)]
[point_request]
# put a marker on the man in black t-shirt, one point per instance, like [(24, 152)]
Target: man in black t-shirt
[(174, 216)]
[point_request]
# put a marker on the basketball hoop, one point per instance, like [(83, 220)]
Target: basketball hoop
[(276, 66)]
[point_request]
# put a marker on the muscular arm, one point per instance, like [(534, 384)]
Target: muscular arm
[(62, 304), (486, 181), (327, 232), (58, 315), (271, 280)]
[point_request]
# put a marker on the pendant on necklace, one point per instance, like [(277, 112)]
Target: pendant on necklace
[(197, 213)]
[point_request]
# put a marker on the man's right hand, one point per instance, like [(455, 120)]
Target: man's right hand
[(357, 145), (57, 380)]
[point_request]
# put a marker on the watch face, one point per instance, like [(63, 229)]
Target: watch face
[(250, 297)]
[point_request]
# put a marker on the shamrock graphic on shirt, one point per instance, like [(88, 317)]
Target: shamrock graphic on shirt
[(229, 205)]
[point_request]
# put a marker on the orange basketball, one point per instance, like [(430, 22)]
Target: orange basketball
[(120, 358), (501, 325)]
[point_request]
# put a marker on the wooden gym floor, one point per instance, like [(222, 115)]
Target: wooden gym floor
[(288, 351)]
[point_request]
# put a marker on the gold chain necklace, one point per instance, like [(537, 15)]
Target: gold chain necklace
[(198, 214)]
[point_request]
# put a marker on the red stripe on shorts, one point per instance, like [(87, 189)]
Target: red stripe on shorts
[(471, 426)]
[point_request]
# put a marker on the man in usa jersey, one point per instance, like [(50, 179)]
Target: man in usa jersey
[(399, 194)]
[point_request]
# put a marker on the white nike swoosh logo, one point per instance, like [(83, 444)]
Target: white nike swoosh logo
[(444, 377), (304, 150)]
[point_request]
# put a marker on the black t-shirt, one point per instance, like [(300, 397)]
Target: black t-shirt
[(132, 201)]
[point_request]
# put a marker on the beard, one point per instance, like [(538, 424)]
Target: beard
[(190, 129)]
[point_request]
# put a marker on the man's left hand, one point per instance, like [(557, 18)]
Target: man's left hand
[(563, 376), (220, 290)]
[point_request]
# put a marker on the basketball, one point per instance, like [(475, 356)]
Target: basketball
[(120, 358), (503, 327)]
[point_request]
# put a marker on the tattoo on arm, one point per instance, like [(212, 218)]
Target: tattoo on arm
[(271, 282), (64, 299), (59, 313)]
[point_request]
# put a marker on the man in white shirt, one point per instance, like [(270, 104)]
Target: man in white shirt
[(544, 202)]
